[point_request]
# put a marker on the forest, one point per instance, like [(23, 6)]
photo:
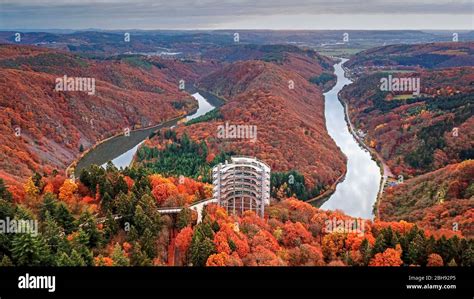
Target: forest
[(211, 115), (43, 129), (292, 184), (324, 80), (110, 218), (417, 134), (180, 156), (426, 140), (289, 117), (426, 55), (442, 199)]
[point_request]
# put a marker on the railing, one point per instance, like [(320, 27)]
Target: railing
[(253, 158), (191, 206), (164, 210)]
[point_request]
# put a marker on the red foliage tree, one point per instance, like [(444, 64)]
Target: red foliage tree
[(183, 239), (265, 239), (164, 191), (129, 181), (435, 260), (220, 240), (262, 256), (295, 234)]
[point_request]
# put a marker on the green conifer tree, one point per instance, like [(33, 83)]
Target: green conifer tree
[(30, 250), (119, 257)]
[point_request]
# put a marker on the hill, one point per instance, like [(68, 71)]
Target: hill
[(442, 199), (84, 223), (426, 136), (42, 129), (285, 108), (194, 42), (416, 133), (430, 55)]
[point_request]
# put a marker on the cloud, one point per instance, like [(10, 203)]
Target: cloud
[(147, 14)]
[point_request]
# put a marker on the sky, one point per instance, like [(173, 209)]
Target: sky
[(237, 14)]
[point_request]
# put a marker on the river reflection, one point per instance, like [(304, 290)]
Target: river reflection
[(356, 195), (204, 106), (126, 158)]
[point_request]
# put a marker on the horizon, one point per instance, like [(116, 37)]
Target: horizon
[(47, 30)]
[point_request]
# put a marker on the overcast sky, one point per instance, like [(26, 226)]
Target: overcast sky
[(237, 14)]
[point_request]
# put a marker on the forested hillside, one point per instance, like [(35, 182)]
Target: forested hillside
[(430, 56), (417, 134), (287, 111), (442, 199), (43, 129), (426, 139), (110, 218)]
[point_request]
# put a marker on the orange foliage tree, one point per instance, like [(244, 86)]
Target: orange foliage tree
[(262, 256), (103, 261), (178, 191), (30, 189), (224, 259), (66, 192), (265, 239), (390, 257), (332, 246)]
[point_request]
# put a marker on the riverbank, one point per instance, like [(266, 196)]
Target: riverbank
[(321, 198), (73, 170), (211, 98), (385, 171)]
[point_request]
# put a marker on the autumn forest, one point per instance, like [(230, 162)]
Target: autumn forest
[(144, 213)]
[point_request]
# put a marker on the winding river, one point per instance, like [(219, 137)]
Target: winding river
[(121, 149), (126, 158), (357, 194)]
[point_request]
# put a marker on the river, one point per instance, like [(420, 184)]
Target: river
[(357, 194), (121, 149), (126, 158)]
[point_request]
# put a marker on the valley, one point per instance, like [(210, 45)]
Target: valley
[(98, 168), (358, 191)]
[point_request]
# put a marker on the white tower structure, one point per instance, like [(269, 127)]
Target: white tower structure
[(242, 185)]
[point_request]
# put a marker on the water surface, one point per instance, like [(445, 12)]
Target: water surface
[(356, 195)]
